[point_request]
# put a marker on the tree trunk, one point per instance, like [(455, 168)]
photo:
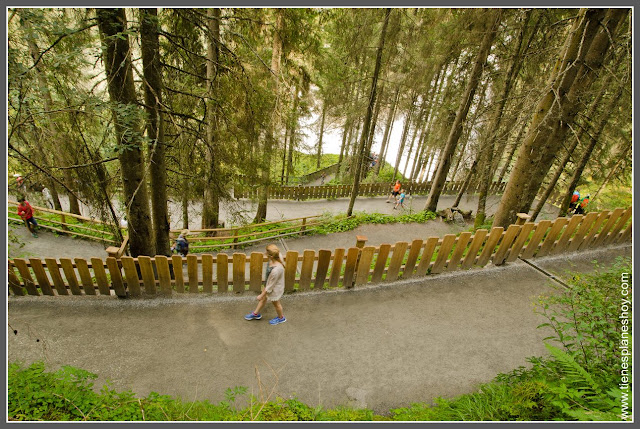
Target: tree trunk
[(319, 153), (577, 173), (155, 128), (367, 121), (416, 130), (512, 151), (488, 143), (374, 121), (567, 156), (292, 146), (117, 61), (387, 131), (284, 157), (212, 182), (583, 55), (292, 125), (421, 149), (466, 182), (345, 133), (405, 132), (456, 129), (185, 205), (58, 156), (467, 132), (276, 58)]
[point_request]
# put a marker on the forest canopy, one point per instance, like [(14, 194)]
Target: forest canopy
[(146, 105)]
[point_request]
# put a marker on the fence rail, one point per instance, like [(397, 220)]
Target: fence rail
[(365, 189), (89, 228), (251, 233), (317, 270)]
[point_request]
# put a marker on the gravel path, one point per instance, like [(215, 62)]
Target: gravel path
[(49, 245), (380, 347)]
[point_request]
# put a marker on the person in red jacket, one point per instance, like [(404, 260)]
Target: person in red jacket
[(395, 192), (25, 211)]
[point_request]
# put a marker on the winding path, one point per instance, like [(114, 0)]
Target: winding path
[(380, 347), (49, 245)]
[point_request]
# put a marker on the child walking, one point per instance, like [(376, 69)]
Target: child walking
[(274, 287), (25, 211), (400, 201)]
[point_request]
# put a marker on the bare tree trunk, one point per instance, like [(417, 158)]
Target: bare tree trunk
[(374, 121), (405, 132), (117, 61), (488, 142), (466, 182), (155, 128), (467, 132), (421, 149), (456, 129), (212, 182), (512, 151), (387, 131), (185, 205), (284, 156), (276, 58), (293, 125), (319, 153), (367, 121)]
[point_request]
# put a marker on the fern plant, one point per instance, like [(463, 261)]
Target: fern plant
[(578, 393)]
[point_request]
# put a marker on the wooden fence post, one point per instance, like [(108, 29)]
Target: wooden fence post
[(350, 267), (291, 265), (324, 259), (306, 271), (222, 272), (14, 282), (336, 268), (239, 261)]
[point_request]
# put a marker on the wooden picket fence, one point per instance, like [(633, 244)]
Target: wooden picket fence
[(365, 190), (317, 270)]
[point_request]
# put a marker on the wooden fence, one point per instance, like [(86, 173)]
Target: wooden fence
[(317, 270), (69, 223), (365, 190), (200, 239), (231, 237)]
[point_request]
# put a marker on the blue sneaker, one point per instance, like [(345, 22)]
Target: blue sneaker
[(252, 316), (277, 320)]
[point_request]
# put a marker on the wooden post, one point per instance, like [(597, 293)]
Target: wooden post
[(360, 242), (522, 218), (304, 227), (235, 238)]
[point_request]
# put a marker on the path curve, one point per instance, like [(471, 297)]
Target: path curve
[(49, 245), (381, 346)]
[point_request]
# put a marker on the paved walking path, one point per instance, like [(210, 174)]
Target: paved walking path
[(49, 245), (381, 346)]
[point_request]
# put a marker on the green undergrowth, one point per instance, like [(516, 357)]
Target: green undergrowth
[(342, 223), (579, 379)]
